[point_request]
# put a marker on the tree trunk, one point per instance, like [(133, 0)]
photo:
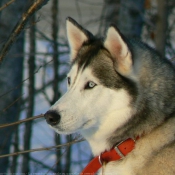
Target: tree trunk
[(112, 11), (68, 156), (161, 26), (110, 14), (126, 15), (14, 163), (31, 94), (56, 64), (130, 19), (10, 76)]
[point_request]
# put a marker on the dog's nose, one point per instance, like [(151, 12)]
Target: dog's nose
[(52, 117)]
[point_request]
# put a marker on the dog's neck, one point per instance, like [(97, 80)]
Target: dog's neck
[(98, 136), (98, 147), (97, 144)]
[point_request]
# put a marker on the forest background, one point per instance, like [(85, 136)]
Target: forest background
[(34, 58)]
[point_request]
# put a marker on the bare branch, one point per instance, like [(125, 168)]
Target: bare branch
[(21, 121), (42, 149), (20, 84), (6, 5), (58, 161), (15, 101), (38, 162), (37, 4), (50, 40)]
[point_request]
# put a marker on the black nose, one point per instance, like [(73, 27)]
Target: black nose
[(52, 117)]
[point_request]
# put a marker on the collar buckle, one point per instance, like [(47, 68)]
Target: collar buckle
[(118, 149), (99, 159)]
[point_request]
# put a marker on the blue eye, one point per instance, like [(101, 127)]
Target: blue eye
[(90, 85)]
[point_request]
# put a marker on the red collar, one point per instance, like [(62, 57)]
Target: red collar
[(116, 153)]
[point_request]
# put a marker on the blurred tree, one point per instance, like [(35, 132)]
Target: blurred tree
[(131, 16), (161, 26), (110, 14), (10, 76), (128, 16), (31, 95), (56, 65)]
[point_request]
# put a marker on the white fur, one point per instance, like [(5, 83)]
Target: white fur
[(95, 113)]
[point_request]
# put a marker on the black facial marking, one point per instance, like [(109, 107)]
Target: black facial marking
[(68, 81), (93, 54)]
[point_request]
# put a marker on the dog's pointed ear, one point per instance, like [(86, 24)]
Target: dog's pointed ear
[(76, 35), (119, 51)]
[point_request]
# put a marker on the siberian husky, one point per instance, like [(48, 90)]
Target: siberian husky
[(119, 89)]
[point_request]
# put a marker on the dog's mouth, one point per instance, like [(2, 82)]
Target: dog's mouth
[(67, 129), (87, 123)]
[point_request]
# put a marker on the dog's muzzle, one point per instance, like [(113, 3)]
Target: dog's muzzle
[(52, 117)]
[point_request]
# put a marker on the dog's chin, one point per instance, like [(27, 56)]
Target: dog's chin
[(63, 131), (69, 130)]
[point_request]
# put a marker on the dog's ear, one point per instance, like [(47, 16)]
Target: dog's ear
[(119, 51), (76, 35)]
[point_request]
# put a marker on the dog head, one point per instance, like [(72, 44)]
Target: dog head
[(116, 89), (97, 96)]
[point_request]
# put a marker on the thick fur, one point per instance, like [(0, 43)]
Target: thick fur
[(119, 89)]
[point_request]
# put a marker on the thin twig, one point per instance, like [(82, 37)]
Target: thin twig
[(42, 149), (15, 101), (21, 121), (6, 5), (50, 40), (37, 4), (40, 163), (19, 85), (56, 164)]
